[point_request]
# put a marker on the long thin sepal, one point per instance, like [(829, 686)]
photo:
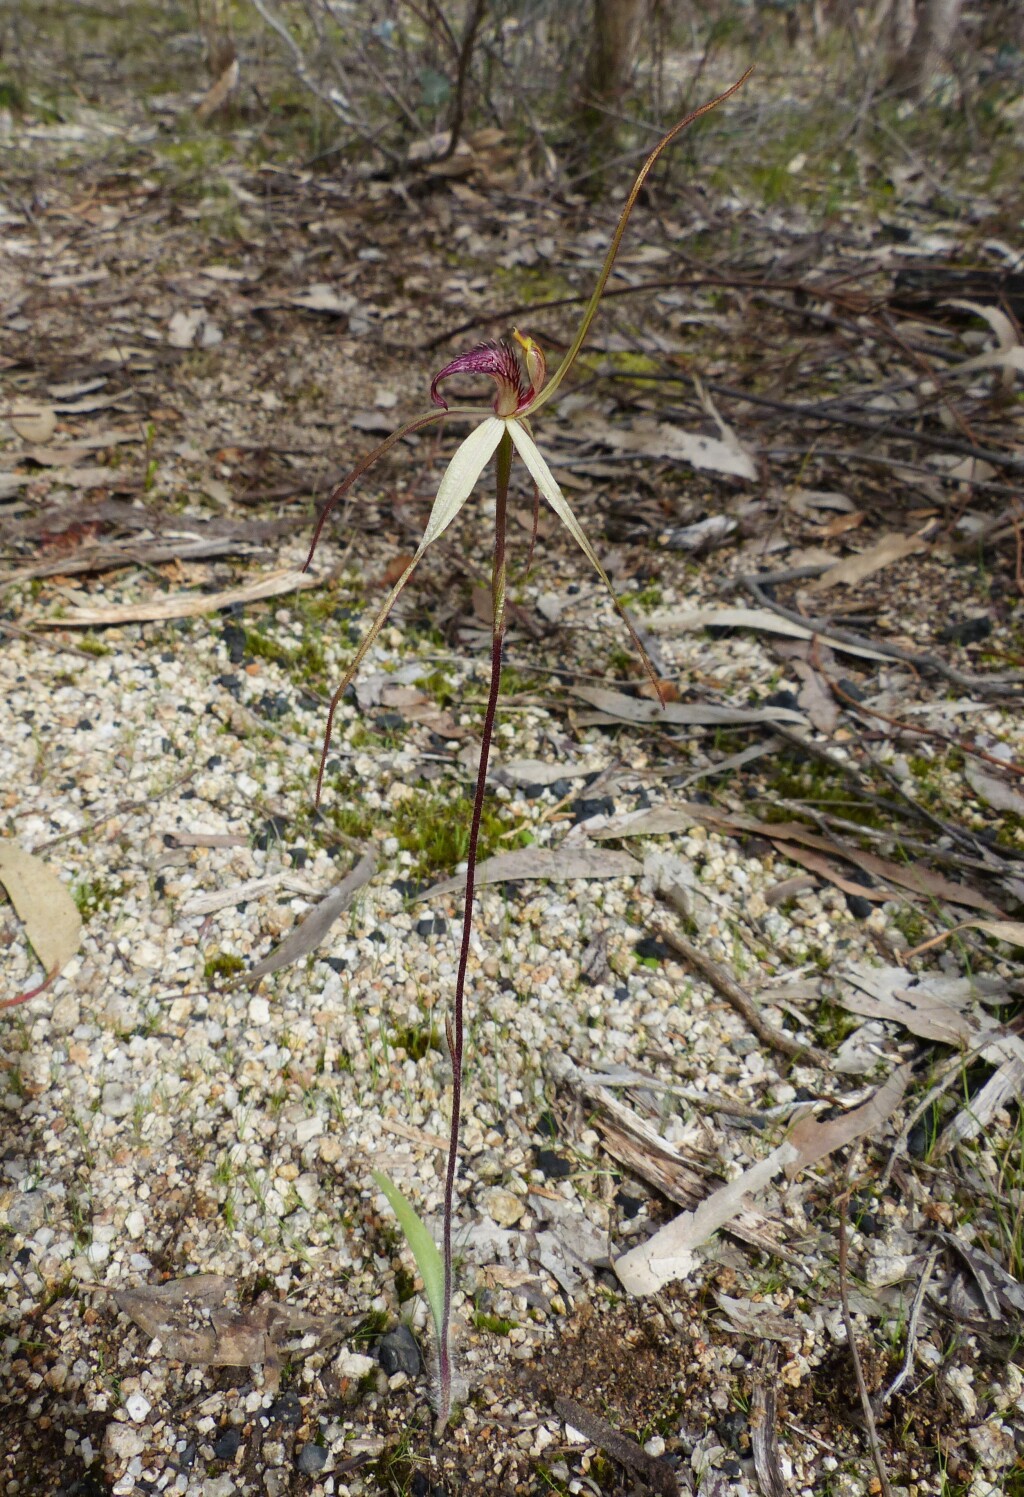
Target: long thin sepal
[(548, 486), (549, 389), (455, 487), (429, 418)]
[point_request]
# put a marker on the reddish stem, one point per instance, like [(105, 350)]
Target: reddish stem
[(456, 1031)]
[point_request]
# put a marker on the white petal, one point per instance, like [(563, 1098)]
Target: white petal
[(460, 475), (545, 481)]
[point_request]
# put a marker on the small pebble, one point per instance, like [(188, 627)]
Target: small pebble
[(398, 1352), (137, 1407), (312, 1458), (503, 1207), (27, 1212)]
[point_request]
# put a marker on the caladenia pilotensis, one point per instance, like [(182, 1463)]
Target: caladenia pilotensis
[(518, 369)]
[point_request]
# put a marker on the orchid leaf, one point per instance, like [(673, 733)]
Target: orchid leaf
[(421, 1245), (461, 474)]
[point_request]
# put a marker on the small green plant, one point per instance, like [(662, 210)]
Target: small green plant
[(220, 965), (518, 368)]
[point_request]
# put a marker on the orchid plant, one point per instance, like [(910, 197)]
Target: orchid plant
[(517, 366)]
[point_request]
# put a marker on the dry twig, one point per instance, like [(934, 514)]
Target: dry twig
[(730, 990), (915, 1315), (989, 685)]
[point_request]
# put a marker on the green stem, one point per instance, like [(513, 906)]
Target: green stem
[(457, 1029)]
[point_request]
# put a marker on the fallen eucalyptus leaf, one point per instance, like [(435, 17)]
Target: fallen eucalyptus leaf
[(310, 931), (32, 421), (814, 1140), (44, 905), (557, 863), (854, 569)]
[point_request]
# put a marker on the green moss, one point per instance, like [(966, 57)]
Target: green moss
[(12, 93), (405, 1284), (833, 1024), (307, 660), (496, 1324), (93, 646), (438, 686), (222, 964), (912, 924), (816, 783), (434, 827), (92, 896), (371, 1328), (417, 1042)]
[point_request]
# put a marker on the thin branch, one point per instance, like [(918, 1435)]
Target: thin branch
[(915, 1315), (730, 990), (469, 32), (991, 685)]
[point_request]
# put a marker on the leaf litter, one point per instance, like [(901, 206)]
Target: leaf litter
[(144, 956)]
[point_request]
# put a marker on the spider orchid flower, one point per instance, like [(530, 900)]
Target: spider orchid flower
[(518, 369)]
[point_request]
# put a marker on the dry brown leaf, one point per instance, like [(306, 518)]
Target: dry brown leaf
[(1002, 930), (1007, 336), (396, 567), (557, 863), (816, 699), (817, 864), (668, 621), (657, 439), (44, 905), (323, 297), (85, 407), (994, 791), (842, 523), (814, 1140), (32, 421), (58, 457), (179, 605), (929, 1004), (311, 930), (659, 820), (854, 569), (616, 705), (192, 1322), (218, 95)]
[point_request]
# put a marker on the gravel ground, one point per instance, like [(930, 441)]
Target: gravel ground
[(164, 1119)]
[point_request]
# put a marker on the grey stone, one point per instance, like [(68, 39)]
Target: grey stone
[(27, 1212), (398, 1352), (117, 1100), (312, 1458)]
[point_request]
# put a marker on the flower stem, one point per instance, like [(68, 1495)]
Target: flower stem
[(457, 1028)]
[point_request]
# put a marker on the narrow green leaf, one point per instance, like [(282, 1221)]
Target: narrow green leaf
[(422, 1245)]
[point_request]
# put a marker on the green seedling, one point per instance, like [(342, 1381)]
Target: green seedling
[(518, 369)]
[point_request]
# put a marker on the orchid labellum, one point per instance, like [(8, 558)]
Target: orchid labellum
[(518, 369)]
